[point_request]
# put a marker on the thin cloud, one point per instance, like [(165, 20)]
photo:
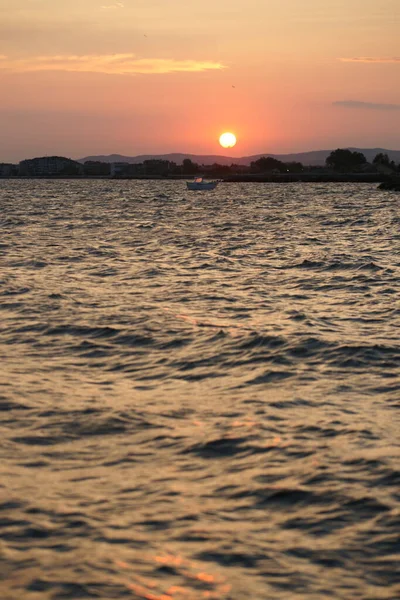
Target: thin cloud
[(112, 6), (111, 64), (372, 59), (366, 105)]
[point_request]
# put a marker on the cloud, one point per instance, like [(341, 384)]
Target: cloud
[(111, 6), (372, 59), (366, 105), (112, 64)]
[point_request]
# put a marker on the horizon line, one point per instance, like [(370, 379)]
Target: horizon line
[(81, 158), (243, 155)]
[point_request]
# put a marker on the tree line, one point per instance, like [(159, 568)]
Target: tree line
[(347, 161), (339, 160)]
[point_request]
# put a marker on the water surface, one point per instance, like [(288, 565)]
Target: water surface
[(199, 391)]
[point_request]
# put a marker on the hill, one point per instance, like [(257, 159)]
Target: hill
[(315, 157)]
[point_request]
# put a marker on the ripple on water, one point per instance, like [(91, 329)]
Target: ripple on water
[(199, 393)]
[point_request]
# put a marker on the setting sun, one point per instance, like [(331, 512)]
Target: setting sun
[(227, 140)]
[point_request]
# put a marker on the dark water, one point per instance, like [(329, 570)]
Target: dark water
[(199, 391)]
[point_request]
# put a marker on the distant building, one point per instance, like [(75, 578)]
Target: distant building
[(119, 169), (50, 166), (384, 169), (149, 168), (158, 168), (8, 169), (96, 168), (239, 169), (137, 170)]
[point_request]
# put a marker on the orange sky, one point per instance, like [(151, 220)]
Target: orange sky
[(83, 77)]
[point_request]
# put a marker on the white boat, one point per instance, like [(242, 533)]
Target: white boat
[(200, 184)]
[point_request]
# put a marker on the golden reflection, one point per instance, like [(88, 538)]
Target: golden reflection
[(205, 577), (147, 589), (244, 424), (169, 559)]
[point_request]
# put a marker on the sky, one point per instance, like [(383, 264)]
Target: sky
[(87, 77)]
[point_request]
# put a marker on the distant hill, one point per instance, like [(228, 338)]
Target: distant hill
[(174, 157), (316, 157)]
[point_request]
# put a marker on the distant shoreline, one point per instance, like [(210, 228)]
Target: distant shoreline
[(273, 178)]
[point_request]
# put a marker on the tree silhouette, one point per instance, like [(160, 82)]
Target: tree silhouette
[(189, 167), (294, 167), (267, 163), (381, 159), (345, 160)]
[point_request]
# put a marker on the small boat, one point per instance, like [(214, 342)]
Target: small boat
[(200, 184)]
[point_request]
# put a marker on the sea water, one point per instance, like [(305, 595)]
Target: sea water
[(199, 391)]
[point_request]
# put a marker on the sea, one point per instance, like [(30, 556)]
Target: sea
[(199, 391)]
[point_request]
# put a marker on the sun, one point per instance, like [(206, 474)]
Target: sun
[(227, 140)]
